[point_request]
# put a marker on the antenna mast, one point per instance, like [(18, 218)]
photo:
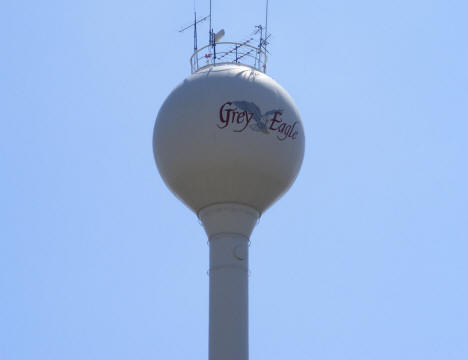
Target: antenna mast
[(266, 24), (212, 40), (195, 34), (210, 30), (195, 45), (266, 34)]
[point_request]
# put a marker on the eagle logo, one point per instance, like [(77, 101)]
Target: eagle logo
[(261, 120)]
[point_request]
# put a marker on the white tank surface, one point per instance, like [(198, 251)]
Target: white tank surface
[(228, 134)]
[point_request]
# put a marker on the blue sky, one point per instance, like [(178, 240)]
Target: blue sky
[(364, 258)]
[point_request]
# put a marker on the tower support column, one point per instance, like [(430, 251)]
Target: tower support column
[(228, 227)]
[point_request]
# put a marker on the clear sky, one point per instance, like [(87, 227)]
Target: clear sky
[(365, 258)]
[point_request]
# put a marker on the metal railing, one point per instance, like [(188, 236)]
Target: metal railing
[(228, 53)]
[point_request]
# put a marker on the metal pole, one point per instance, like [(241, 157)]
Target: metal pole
[(209, 40), (229, 227), (266, 35), (195, 45), (195, 38)]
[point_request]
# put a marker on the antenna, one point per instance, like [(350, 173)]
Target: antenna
[(194, 24), (266, 34), (262, 45), (266, 23), (210, 39), (236, 47)]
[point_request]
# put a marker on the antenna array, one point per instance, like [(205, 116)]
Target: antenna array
[(236, 52)]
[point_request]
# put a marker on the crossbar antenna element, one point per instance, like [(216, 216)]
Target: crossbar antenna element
[(194, 25)]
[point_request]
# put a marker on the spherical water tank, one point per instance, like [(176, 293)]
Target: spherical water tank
[(228, 134)]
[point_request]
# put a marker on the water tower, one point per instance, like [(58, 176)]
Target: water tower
[(228, 141)]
